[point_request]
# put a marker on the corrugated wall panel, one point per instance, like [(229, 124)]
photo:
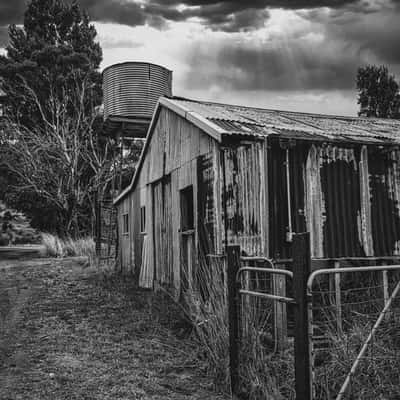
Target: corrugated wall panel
[(340, 185), (348, 198), (384, 182), (243, 197), (278, 198)]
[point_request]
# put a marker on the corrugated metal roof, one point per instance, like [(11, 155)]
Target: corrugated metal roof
[(239, 120), (225, 119)]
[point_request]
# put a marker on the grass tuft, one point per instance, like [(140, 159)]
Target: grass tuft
[(54, 246)]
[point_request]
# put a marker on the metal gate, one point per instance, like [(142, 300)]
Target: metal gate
[(258, 305), (354, 332), (344, 340)]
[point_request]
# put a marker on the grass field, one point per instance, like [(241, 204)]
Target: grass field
[(66, 332)]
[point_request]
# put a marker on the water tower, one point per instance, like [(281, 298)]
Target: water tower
[(130, 94), (131, 91)]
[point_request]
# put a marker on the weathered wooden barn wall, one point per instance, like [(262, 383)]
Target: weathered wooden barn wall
[(170, 165), (346, 195), (255, 191), (124, 237)]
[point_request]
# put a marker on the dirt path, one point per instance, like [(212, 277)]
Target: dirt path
[(67, 333)]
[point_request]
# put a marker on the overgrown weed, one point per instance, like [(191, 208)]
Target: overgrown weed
[(55, 246)]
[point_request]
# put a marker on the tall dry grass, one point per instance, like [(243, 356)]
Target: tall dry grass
[(377, 375), (206, 305), (54, 246)]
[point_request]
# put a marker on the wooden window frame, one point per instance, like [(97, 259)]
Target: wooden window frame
[(143, 220), (187, 222), (125, 224)]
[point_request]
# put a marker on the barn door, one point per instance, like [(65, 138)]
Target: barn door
[(162, 222)]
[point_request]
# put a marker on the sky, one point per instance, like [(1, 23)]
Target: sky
[(299, 55)]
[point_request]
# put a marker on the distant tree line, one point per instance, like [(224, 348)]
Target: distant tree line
[(378, 92)]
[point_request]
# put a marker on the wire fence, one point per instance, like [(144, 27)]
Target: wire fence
[(355, 328), (352, 326)]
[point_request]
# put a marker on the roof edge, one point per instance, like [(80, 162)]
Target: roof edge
[(196, 119)]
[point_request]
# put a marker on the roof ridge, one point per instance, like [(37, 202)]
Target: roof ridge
[(331, 116)]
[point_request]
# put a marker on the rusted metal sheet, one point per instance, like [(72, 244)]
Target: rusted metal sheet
[(280, 247), (340, 185), (347, 197), (250, 121), (384, 183), (243, 197)]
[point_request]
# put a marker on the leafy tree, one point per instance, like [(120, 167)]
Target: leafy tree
[(49, 143), (55, 46), (378, 92)]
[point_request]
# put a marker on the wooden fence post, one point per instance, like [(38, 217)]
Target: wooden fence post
[(97, 206), (302, 351), (233, 265), (279, 285)]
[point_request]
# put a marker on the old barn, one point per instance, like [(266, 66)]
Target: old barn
[(214, 174)]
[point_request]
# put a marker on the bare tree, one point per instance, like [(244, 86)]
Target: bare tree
[(60, 159)]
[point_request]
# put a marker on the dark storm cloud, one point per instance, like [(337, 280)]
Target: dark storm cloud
[(325, 55), (224, 15), (301, 66), (376, 31)]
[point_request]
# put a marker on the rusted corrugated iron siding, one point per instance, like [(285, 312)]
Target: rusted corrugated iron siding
[(243, 196), (346, 196), (384, 190), (278, 198), (340, 185)]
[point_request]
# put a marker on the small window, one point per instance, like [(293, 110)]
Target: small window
[(125, 224), (187, 215), (143, 219)]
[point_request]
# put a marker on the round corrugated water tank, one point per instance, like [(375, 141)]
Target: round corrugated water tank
[(132, 89)]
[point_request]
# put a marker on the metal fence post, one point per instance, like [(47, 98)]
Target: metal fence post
[(233, 265), (302, 351)]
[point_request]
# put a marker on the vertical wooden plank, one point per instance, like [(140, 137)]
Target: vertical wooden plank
[(150, 237), (385, 286), (217, 192), (315, 208), (233, 265), (265, 199), (196, 261), (338, 299), (366, 224), (279, 282), (302, 351), (175, 232)]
